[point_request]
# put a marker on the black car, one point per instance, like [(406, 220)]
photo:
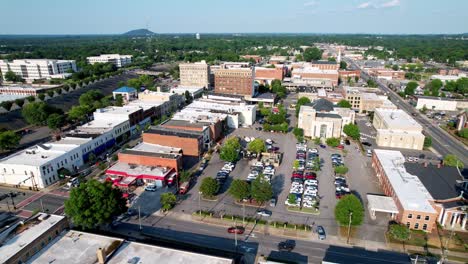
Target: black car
[(347, 142), (287, 245), (321, 233), (367, 144)]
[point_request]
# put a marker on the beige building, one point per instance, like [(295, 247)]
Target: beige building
[(366, 99), (322, 119), (194, 74), (396, 129)]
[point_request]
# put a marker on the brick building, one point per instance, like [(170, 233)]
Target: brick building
[(255, 58), (215, 128), (153, 155), (267, 75), (191, 142), (386, 74), (239, 81), (313, 73), (325, 65), (345, 74)]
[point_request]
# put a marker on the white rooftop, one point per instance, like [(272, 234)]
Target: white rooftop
[(39, 154), (118, 110), (27, 236), (73, 247), (181, 89), (199, 115), (382, 203), (226, 107), (145, 104), (407, 187), (143, 253), (99, 126), (313, 70), (138, 170), (397, 119), (111, 56), (154, 148)]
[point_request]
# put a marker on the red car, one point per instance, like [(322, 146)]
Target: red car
[(340, 147), (310, 175), (236, 229), (296, 174)]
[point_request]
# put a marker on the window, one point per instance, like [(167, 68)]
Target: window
[(426, 218), (416, 226), (418, 217), (425, 227), (25, 173), (408, 224), (410, 215)]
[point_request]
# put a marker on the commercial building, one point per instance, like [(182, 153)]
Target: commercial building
[(36, 69), (194, 74), (22, 240), (441, 104), (116, 59), (315, 75), (127, 93), (238, 81), (125, 175), (423, 194), (278, 59), (165, 102), (215, 128), (148, 154), (387, 74), (255, 58), (41, 165), (344, 75), (446, 78), (325, 65), (267, 75), (195, 92), (364, 99), (217, 122), (133, 114), (25, 90), (321, 119), (192, 143), (396, 129)]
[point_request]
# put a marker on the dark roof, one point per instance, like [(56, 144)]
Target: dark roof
[(266, 96), (328, 115), (324, 62), (174, 132), (78, 134), (237, 96), (440, 182), (151, 154), (185, 123), (322, 105), (359, 255)]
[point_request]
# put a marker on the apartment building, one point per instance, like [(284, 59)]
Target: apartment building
[(365, 99), (194, 74), (237, 81), (36, 69), (116, 59), (321, 119), (396, 129)]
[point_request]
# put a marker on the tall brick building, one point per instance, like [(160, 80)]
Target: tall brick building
[(239, 81)]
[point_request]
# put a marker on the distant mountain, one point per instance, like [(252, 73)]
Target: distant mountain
[(139, 32)]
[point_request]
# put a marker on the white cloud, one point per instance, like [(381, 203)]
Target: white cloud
[(311, 3), (365, 5), (391, 3)]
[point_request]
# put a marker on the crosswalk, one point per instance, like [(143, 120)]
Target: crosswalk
[(365, 135)]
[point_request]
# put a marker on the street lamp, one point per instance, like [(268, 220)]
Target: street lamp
[(349, 226), (199, 202)]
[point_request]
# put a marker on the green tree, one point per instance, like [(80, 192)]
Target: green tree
[(371, 83), (78, 113), (295, 164), (292, 198), (300, 102), (31, 98), (94, 203), (12, 77), (411, 88), (167, 200), (262, 190), (311, 54), (343, 65), (434, 87), (209, 187), (239, 189), (463, 133), (55, 121), (185, 176), (344, 103), (278, 88), (352, 130), (19, 102), (257, 145), (88, 98), (188, 97), (37, 113), (341, 169), (395, 67), (333, 142), (298, 133), (9, 139), (427, 142), (346, 206), (119, 100), (399, 232), (462, 85), (453, 161)]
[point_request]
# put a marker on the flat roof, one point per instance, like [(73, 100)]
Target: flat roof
[(98, 126), (185, 123), (148, 147), (200, 115), (411, 192), (146, 104), (132, 170), (11, 97), (73, 247), (182, 89), (144, 253), (381, 203), (118, 110), (35, 228), (397, 119), (221, 106), (174, 132), (440, 98), (39, 154)]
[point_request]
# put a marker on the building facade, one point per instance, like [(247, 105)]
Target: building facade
[(194, 74), (191, 142), (238, 81), (325, 65), (116, 59), (267, 75), (36, 69), (441, 104)]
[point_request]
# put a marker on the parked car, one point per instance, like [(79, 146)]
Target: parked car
[(347, 142), (321, 233), (287, 245), (150, 188), (236, 229), (369, 153), (264, 213), (323, 146), (273, 202), (367, 144), (340, 147)]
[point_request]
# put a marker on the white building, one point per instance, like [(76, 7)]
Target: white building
[(397, 129), (116, 59), (446, 78), (195, 92), (35, 69), (441, 104), (133, 114), (39, 166)]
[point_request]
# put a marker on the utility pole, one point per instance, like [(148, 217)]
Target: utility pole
[(349, 226), (447, 242), (199, 202), (139, 217)]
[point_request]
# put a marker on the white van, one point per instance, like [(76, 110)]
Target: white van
[(369, 153)]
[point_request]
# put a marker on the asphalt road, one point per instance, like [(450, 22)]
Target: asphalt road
[(441, 142), (217, 238)]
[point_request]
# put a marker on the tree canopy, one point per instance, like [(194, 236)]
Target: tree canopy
[(37, 113), (239, 189), (230, 149), (311, 54), (411, 88), (453, 161), (167, 200), (209, 187), (55, 121), (352, 131), (300, 102), (262, 190), (9, 139), (347, 205), (344, 103), (399, 232), (257, 145), (333, 142), (94, 203)]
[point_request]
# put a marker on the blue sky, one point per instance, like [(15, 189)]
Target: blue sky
[(217, 16)]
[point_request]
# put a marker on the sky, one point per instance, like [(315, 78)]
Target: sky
[(234, 16)]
